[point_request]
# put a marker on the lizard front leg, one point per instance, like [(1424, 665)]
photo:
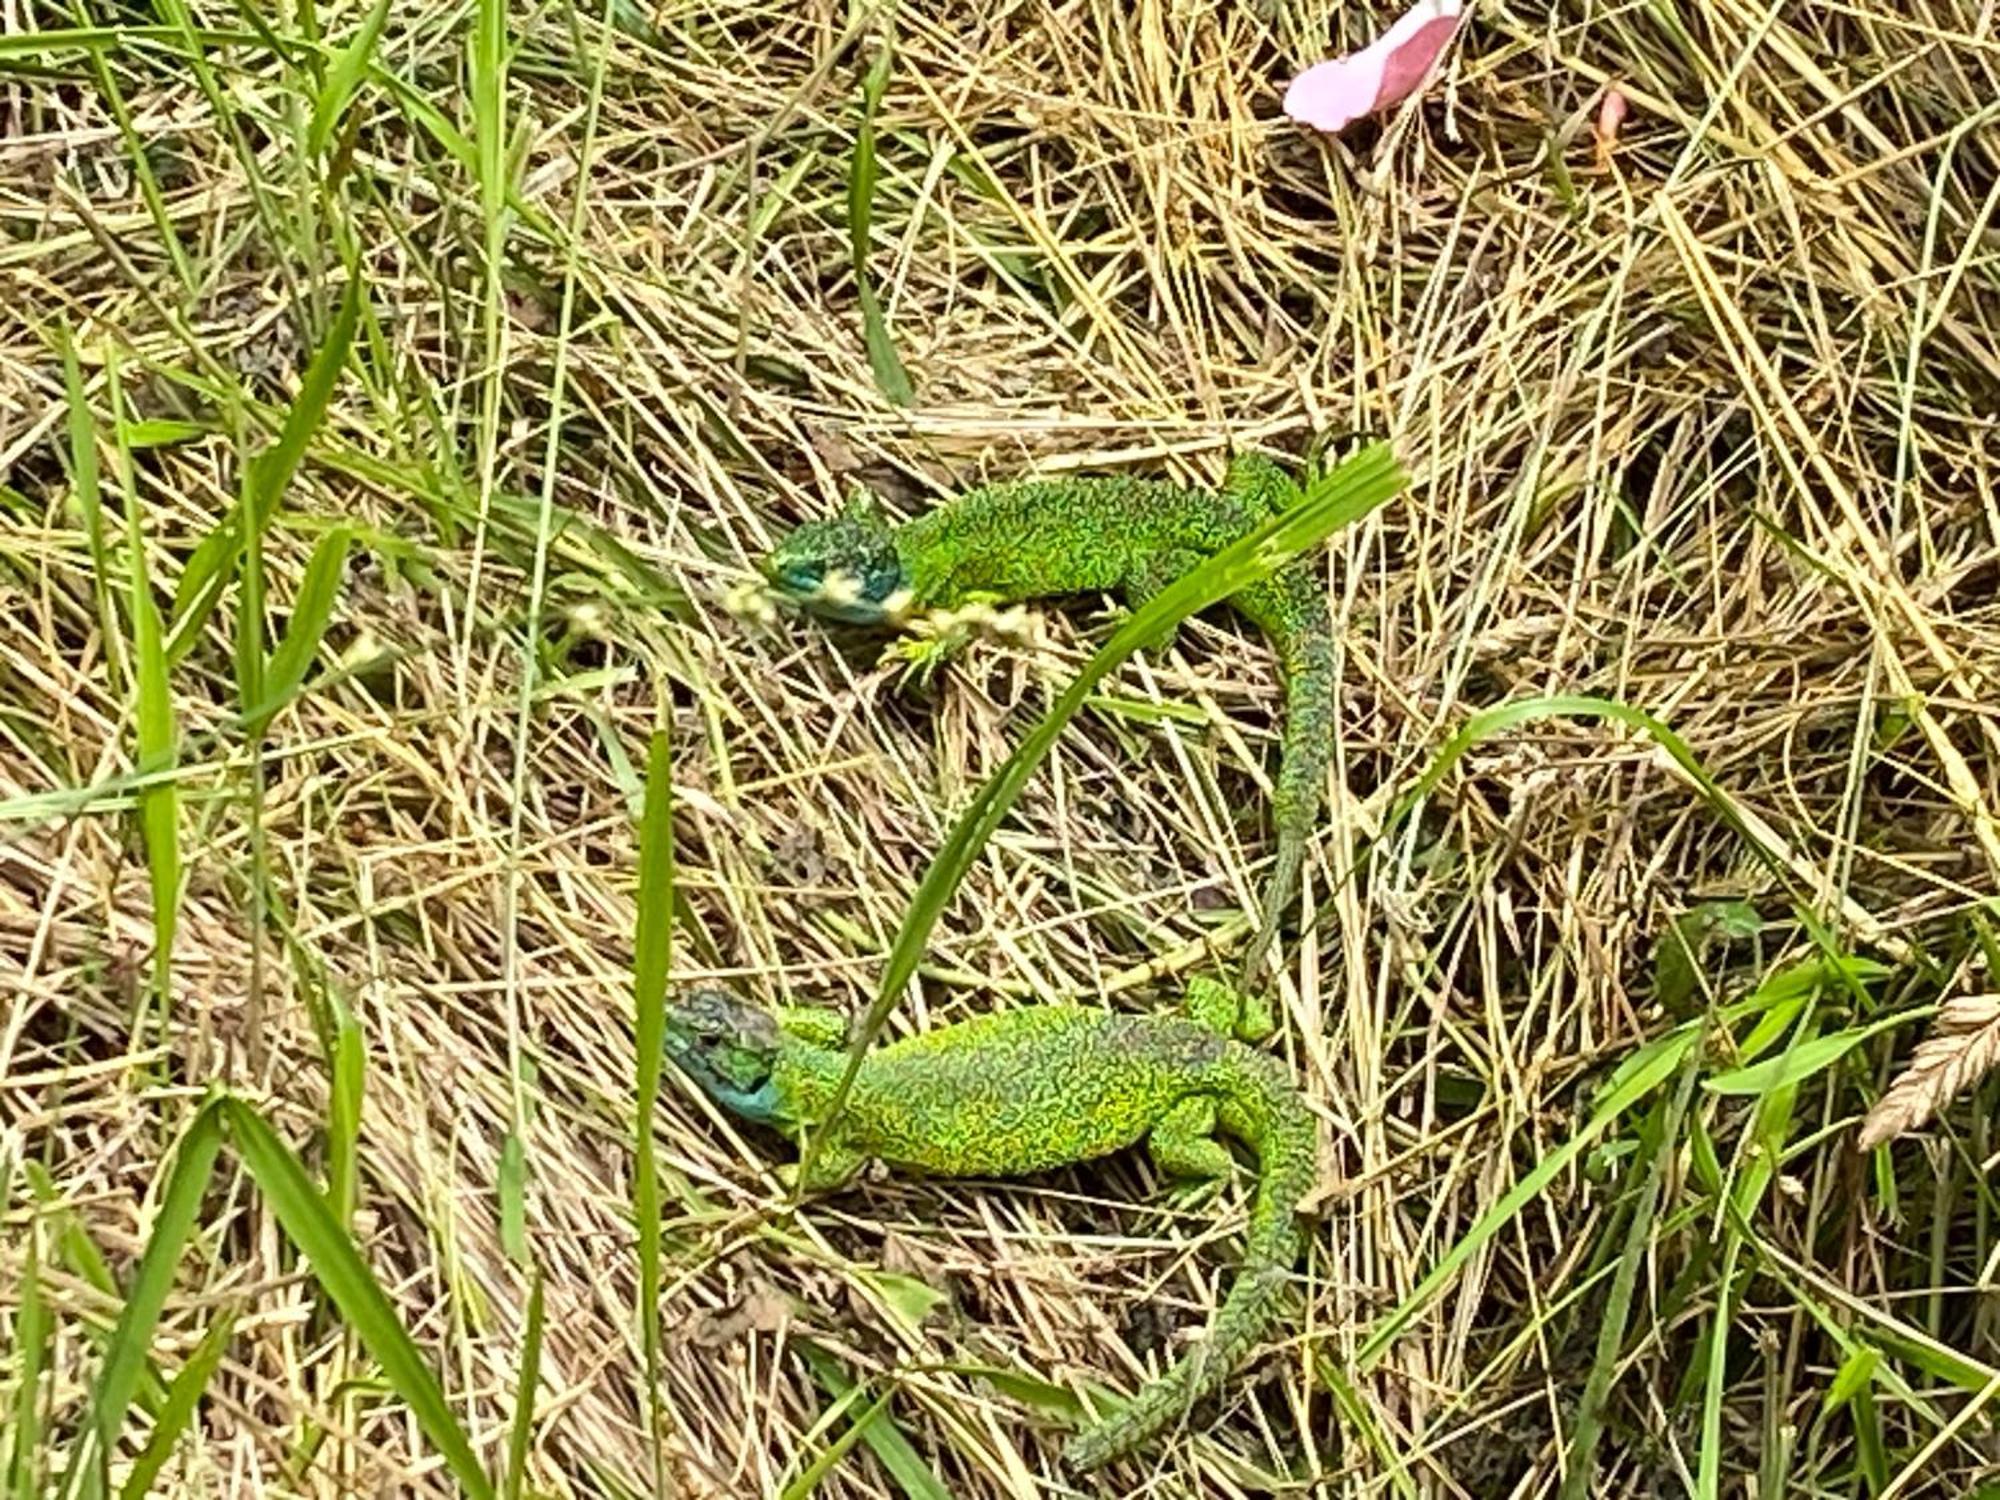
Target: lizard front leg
[(1227, 1011), (819, 1025), (931, 641), (834, 1164)]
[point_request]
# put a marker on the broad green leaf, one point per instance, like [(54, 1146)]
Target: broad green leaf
[(513, 1187), (265, 478), (1806, 1059), (158, 432), (1854, 1374)]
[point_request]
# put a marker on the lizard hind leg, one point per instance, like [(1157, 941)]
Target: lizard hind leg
[(1182, 1141), (1242, 1014), (1149, 577)]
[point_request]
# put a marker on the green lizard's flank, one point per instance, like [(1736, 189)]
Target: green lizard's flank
[(1027, 1090), (1007, 543)]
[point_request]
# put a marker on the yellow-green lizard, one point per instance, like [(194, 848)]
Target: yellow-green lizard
[(1034, 539), (1030, 1089)]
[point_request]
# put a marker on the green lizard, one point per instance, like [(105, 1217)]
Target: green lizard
[(1033, 539), (1030, 1089)]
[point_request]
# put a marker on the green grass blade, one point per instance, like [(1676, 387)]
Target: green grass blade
[(1801, 1062), (523, 1428), (85, 482), (512, 1188), (77, 1254), (125, 1356), (1661, 1063), (267, 476), (652, 963), (343, 1115), (345, 1277), (1580, 1474), (32, 1328), (183, 1396), (343, 78), (1368, 479), (265, 479), (890, 376), (159, 805), (319, 588), (875, 1427)]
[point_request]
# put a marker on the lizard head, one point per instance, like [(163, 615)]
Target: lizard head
[(846, 568), (729, 1047)]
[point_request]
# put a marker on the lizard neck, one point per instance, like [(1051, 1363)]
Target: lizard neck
[(805, 1078)]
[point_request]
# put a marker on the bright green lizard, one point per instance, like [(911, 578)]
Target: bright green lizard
[(1030, 1089), (1033, 539)]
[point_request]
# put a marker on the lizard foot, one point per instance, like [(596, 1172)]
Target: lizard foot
[(932, 641), (1229, 1011)]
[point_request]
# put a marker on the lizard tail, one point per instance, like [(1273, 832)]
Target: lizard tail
[(1287, 1166), (1305, 751)]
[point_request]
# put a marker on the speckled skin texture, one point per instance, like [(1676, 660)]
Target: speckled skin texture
[(1036, 539), (1030, 1089)]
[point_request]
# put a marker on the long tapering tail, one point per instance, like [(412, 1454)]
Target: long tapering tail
[(1305, 643), (1286, 1166)]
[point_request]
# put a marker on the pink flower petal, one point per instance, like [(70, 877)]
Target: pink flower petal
[(1334, 94)]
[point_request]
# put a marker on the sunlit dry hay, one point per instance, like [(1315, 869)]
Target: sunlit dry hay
[(1705, 425)]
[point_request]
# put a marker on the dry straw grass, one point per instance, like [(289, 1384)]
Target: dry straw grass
[(1705, 426)]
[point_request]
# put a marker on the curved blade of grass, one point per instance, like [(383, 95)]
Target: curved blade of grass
[(1505, 716), (183, 1396), (1368, 479), (265, 478), (343, 78), (125, 1355), (876, 1428), (32, 1328), (1663, 1059), (652, 964), (159, 806), (319, 587), (1807, 1058), (345, 1277), (890, 376), (524, 1392)]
